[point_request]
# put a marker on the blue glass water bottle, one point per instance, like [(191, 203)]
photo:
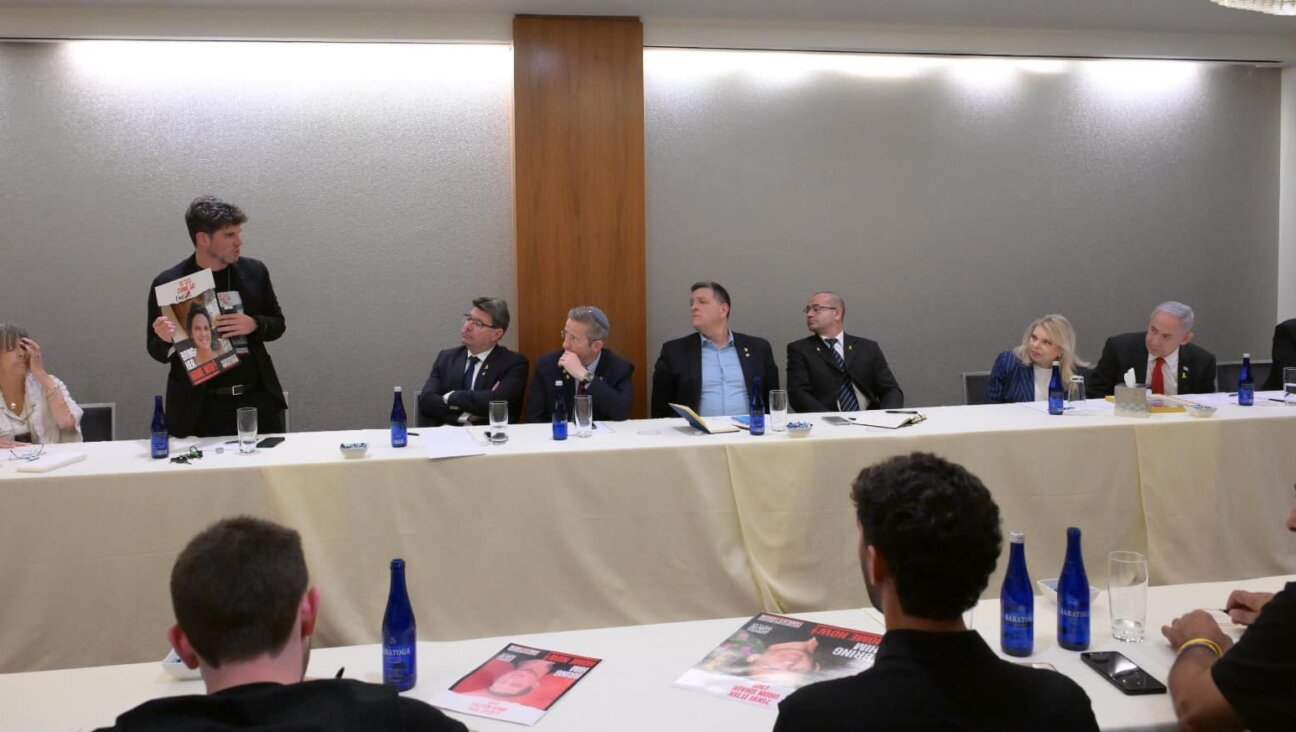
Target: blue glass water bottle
[(1246, 383), (559, 413), (1017, 602), (1056, 394), (159, 444), (756, 409), (400, 649), (399, 425), (1073, 597)]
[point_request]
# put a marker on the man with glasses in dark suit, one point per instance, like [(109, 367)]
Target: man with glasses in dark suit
[(465, 380), (584, 365), (830, 371)]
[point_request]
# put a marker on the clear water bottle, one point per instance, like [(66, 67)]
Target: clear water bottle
[(1056, 392), (1017, 602), (400, 650), (559, 413), (1246, 383), (159, 444), (756, 409), (399, 425), (1073, 597)]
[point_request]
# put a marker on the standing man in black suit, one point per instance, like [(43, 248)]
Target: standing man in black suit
[(584, 366), (1284, 354), (207, 410), (713, 370), (1162, 358), (465, 380), (831, 371)]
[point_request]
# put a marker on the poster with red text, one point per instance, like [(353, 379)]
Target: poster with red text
[(191, 305), (518, 684), (771, 656)]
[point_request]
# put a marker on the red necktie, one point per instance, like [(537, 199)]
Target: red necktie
[(1158, 380), (580, 387)]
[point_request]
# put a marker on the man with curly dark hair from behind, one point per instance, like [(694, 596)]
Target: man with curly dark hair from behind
[(929, 539)]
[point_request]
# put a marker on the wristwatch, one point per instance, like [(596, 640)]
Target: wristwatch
[(588, 378)]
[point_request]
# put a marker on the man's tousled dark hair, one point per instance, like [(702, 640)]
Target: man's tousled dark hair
[(209, 214), (721, 294), (236, 588), (937, 527)]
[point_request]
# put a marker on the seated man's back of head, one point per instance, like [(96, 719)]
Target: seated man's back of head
[(245, 614), (929, 540)]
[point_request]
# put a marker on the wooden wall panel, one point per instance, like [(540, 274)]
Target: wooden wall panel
[(579, 187)]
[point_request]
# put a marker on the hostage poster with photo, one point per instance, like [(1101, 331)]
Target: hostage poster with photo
[(518, 684), (771, 656), (191, 305)]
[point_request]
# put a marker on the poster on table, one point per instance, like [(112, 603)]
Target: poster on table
[(518, 684), (771, 656), (190, 303)]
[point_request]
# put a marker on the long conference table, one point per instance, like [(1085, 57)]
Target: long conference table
[(632, 690), (646, 521)]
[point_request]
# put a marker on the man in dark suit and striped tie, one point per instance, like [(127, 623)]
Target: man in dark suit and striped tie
[(830, 371), (465, 380)]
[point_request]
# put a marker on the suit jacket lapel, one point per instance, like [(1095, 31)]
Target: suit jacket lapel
[(749, 365), (821, 348), (848, 345), (458, 362), (484, 373)]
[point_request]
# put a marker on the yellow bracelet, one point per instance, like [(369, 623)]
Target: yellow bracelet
[(1205, 643)]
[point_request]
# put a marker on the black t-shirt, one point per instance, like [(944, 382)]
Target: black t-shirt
[(331, 705), (939, 681), (1258, 674)]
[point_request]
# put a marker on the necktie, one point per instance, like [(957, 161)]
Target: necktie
[(580, 387), (468, 373), (845, 394), (1157, 381)]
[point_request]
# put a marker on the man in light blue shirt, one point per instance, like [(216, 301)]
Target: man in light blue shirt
[(713, 370)]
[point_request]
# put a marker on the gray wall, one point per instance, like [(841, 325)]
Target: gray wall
[(949, 206), (377, 179), (952, 206)]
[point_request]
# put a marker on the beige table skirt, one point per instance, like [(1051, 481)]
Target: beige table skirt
[(618, 532)]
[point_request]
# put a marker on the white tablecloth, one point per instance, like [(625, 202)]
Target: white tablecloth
[(631, 690), (644, 522)]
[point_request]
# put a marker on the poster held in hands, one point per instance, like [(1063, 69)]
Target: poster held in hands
[(190, 303)]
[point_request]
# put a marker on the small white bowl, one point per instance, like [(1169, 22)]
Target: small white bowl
[(799, 429), (352, 450), (1200, 410), (1049, 587)]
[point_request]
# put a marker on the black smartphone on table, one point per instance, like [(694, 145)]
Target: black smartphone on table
[(270, 441), (1122, 672)]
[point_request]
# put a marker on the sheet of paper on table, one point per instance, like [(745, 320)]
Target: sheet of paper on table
[(449, 442)]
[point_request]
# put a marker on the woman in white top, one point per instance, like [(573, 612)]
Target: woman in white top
[(1022, 374), (34, 406)]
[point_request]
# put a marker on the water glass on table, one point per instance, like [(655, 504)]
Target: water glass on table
[(1076, 391), (246, 422), (583, 411), (778, 406), (1289, 386), (498, 412), (1127, 586)]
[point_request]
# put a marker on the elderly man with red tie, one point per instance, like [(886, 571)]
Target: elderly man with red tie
[(1163, 357)]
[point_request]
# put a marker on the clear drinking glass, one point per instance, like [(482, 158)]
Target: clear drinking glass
[(583, 410), (498, 423), (1076, 390), (778, 406), (247, 429), (1289, 386), (1127, 585)]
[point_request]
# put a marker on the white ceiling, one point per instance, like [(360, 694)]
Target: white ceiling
[(1162, 16)]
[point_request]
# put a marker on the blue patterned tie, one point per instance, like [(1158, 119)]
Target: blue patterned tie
[(468, 373), (845, 394)]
